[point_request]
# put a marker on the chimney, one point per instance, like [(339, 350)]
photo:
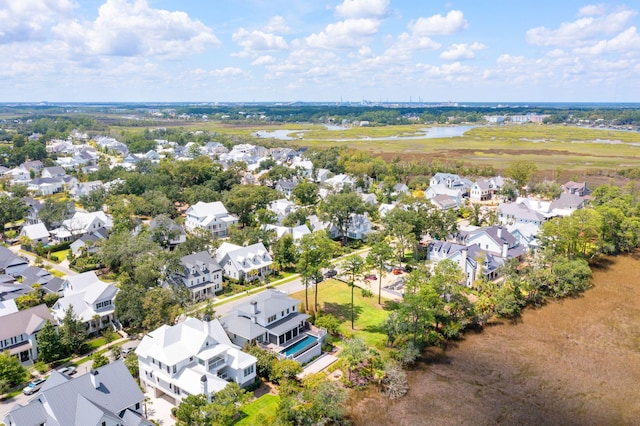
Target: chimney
[(500, 232), (95, 380), (254, 306), (203, 387), (505, 250)]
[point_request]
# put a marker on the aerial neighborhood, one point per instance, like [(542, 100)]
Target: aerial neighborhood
[(185, 249)]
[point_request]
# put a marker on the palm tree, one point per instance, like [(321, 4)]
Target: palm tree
[(353, 266)]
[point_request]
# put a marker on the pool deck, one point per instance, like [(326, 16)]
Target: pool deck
[(318, 365)]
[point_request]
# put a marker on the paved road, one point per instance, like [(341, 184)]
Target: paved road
[(62, 266)]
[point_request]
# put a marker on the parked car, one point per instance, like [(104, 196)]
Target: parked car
[(69, 371), (126, 351), (33, 386), (371, 277), (397, 271), (331, 273)]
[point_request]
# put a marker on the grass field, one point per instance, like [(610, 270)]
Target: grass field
[(573, 149), (334, 297), (260, 412)]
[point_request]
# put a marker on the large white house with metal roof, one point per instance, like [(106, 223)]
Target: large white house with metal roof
[(107, 396), (210, 217), (200, 273), (244, 263), (19, 330), (191, 358), (91, 298), (272, 321)]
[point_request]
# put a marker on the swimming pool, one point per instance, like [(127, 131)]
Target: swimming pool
[(302, 344)]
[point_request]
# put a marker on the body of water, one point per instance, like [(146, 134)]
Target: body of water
[(437, 132)]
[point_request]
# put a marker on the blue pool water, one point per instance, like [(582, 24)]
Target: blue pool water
[(302, 344)]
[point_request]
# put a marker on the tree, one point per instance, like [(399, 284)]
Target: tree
[(399, 226), (395, 383), (284, 370), (131, 362), (192, 411), (99, 360), (521, 172), (55, 212), (318, 402), (244, 200), (226, 404), (338, 209), (284, 252), (72, 332), (129, 305), (306, 193), (315, 251), (11, 370), (11, 210), (381, 252), (160, 307), (353, 266), (354, 351), (49, 343)]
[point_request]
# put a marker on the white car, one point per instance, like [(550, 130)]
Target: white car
[(69, 371), (33, 386)]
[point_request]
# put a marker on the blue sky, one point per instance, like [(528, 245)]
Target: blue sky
[(317, 50)]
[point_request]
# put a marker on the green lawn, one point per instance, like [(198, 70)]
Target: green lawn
[(260, 412), (60, 255), (334, 297)]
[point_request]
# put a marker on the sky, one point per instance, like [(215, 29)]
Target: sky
[(319, 50)]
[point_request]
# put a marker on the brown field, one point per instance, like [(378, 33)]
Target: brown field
[(573, 362)]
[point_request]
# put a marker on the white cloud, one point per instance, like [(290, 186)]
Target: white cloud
[(264, 60), (132, 28), (580, 31), (28, 20), (363, 9), (627, 41), (258, 41), (344, 34), (228, 72), (452, 23), (277, 24), (457, 52), (593, 10)]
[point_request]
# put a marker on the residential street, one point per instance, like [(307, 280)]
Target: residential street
[(62, 266)]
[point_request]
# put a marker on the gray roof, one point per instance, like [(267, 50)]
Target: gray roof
[(287, 323), (26, 321), (242, 326), (269, 303), (9, 258), (78, 402)]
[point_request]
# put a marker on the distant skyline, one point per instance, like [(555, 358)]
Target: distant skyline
[(326, 51)]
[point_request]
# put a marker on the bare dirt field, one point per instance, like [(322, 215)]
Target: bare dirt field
[(574, 362)]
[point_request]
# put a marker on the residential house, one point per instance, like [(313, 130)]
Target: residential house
[(519, 213), (566, 204), (303, 168), (18, 175), (191, 358), (451, 181), (282, 208), (495, 240), (444, 197), (33, 208), (286, 187), (19, 330), (34, 165), (107, 396), (11, 263), (166, 232), (481, 190), (296, 232), (82, 189), (200, 273), (385, 208), (88, 242), (212, 149), (112, 145), (91, 298), (578, 188), (369, 199), (340, 182), (446, 202), (53, 172), (37, 233), (80, 224), (211, 217), (244, 263), (272, 320), (46, 186), (359, 226), (322, 175)]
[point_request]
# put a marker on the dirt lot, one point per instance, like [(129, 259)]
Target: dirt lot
[(575, 362)]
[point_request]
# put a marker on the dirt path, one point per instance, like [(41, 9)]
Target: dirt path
[(575, 362)]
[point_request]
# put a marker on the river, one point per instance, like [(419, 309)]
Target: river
[(571, 362)]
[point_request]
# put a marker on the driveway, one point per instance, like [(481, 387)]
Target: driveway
[(158, 409)]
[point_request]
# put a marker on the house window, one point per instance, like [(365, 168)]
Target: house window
[(271, 318), (248, 370), (137, 405), (174, 369)]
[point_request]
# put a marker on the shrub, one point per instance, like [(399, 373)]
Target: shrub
[(41, 367)]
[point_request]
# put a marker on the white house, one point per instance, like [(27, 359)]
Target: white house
[(19, 330), (37, 233), (90, 297), (296, 232), (82, 223), (272, 321), (107, 396), (211, 217), (46, 186), (282, 208), (244, 263), (191, 358), (11, 263), (81, 189), (200, 273)]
